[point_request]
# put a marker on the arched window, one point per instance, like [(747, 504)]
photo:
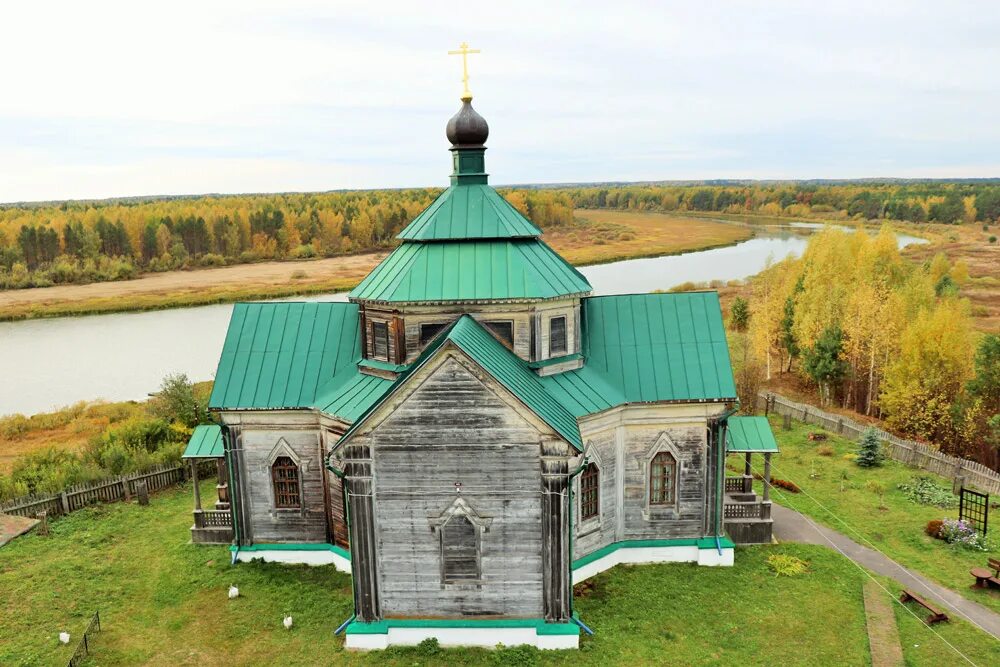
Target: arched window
[(285, 477), (459, 550), (590, 482), (662, 479)]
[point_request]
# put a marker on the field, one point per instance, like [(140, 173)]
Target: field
[(836, 489), (596, 237), (969, 243), (163, 602)]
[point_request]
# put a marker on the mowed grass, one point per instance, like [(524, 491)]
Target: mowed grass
[(839, 490), (163, 602)]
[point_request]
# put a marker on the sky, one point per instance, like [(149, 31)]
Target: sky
[(104, 99)]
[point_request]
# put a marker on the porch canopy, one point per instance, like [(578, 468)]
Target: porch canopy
[(205, 443), (750, 435)]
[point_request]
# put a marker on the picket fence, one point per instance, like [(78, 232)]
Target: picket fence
[(912, 453), (103, 491)]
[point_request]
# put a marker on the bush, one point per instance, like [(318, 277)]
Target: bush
[(960, 534), (923, 491), (993, 239), (787, 566), (176, 402), (514, 656), (429, 647), (869, 450), (785, 484), (933, 528)]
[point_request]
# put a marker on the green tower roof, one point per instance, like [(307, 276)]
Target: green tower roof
[(469, 211), (472, 271)]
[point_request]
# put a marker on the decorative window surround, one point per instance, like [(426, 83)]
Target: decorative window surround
[(664, 443), (461, 510)]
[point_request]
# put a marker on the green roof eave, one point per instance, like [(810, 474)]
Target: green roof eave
[(469, 211), (205, 443), (750, 435), (487, 270), (552, 361), (382, 365)]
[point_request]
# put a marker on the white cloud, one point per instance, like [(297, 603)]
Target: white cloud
[(135, 97)]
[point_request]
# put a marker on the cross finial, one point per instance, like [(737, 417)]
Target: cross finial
[(464, 51)]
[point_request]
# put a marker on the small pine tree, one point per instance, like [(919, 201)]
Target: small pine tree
[(739, 313), (869, 450)]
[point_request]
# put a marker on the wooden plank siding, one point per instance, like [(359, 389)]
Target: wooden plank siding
[(455, 433), (622, 444)]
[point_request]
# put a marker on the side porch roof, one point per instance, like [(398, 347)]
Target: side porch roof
[(750, 435), (205, 443)]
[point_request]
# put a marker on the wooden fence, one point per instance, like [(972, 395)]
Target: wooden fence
[(914, 454), (103, 491), (83, 648)]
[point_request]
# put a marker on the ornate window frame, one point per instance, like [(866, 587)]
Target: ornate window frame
[(282, 448), (594, 523), (663, 443), (481, 524)]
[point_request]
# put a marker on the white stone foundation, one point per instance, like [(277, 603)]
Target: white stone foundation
[(296, 556), (665, 554), (483, 637)]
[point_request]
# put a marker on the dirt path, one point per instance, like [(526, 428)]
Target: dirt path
[(883, 635)]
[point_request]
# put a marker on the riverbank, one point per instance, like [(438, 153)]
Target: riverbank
[(597, 237)]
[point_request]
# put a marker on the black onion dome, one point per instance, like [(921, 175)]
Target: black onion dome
[(467, 128)]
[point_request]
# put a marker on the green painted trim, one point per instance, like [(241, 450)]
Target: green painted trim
[(382, 365), (540, 626), (701, 543), (304, 546), (555, 360)]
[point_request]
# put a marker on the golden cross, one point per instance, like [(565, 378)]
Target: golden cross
[(464, 51)]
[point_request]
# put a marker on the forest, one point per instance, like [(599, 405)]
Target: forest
[(90, 241), (880, 335)]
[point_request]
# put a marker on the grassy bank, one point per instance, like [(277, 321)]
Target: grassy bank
[(836, 488), (595, 237), (163, 601)]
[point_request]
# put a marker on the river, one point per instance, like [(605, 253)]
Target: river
[(48, 363)]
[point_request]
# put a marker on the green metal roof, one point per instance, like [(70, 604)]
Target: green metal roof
[(474, 211), (205, 443), (507, 368), (750, 434), (279, 355), (648, 348), (471, 271), (349, 394)]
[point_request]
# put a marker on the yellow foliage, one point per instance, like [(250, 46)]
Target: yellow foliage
[(933, 364)]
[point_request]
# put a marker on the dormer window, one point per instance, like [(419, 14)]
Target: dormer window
[(504, 330), (380, 341), (430, 330), (557, 336)]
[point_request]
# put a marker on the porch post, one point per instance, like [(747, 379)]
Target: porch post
[(746, 468), (197, 491), (767, 477)]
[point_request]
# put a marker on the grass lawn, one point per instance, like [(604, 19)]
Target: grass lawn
[(895, 525), (163, 602)]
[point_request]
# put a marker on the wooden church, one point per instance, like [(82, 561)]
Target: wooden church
[(474, 431)]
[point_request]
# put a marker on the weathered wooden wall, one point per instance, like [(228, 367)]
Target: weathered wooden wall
[(621, 443), (453, 432), (256, 435), (530, 322)]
